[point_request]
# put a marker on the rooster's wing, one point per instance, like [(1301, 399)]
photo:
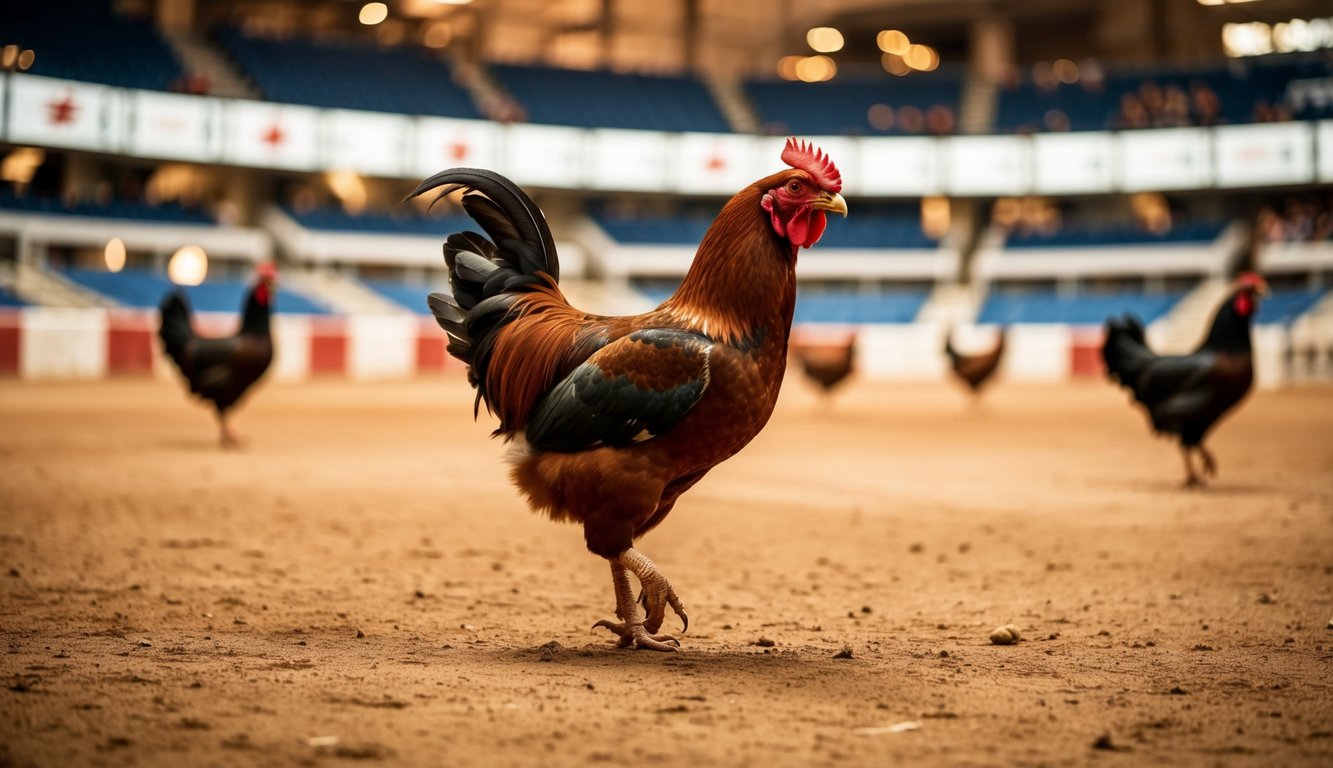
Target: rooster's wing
[(636, 387)]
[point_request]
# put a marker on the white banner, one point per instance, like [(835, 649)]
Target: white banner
[(634, 161), (174, 126), (265, 135), (373, 143), (61, 113), (1325, 137), (545, 156), (442, 143), (899, 166), (988, 165), (1072, 162), (710, 163), (1272, 153), (1169, 158)]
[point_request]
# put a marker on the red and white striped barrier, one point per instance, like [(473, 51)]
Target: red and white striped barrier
[(57, 343)]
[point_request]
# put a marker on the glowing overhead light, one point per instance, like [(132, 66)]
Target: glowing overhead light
[(27, 58), (115, 254), (453, 2), (894, 64), (893, 41), (787, 67), (921, 57), (20, 165), (349, 188), (373, 13), (9, 56), (816, 69), (824, 39), (188, 266)]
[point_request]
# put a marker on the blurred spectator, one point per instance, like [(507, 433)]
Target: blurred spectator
[(1133, 114), (1207, 107), (1301, 219)]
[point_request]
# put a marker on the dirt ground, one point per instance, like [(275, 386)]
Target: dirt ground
[(361, 584)]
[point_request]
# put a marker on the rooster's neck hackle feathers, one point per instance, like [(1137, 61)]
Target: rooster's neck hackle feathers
[(743, 278)]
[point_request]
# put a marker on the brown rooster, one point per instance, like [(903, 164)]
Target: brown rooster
[(975, 370), (826, 362), (611, 419)]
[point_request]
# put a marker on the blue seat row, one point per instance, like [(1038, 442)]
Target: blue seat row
[(83, 40), (9, 301), (875, 226), (819, 306), (1285, 305), (844, 106), (349, 75), (1008, 306), (410, 296), (167, 213), (144, 290), (1080, 237), (401, 223)]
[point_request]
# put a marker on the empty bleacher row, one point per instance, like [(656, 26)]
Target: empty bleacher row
[(142, 289)]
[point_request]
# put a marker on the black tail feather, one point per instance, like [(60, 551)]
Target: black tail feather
[(175, 329), (1126, 349)]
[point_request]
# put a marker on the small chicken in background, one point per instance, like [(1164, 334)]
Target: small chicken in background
[(1185, 395), (611, 419), (221, 370), (975, 370), (827, 361)]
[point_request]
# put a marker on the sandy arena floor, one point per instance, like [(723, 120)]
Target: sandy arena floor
[(361, 583)]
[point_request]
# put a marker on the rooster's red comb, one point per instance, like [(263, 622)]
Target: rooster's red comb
[(809, 158)]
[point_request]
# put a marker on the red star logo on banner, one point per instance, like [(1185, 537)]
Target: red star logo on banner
[(274, 135), (63, 111), (716, 162), (458, 151)]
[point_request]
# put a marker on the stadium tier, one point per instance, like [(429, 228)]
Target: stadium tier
[(165, 213), (881, 106), (1006, 306), (85, 41), (144, 290), (1285, 305), (349, 75), (1260, 90), (399, 223), (840, 307), (609, 100), (1080, 237), (875, 226)]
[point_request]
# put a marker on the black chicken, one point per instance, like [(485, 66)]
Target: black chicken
[(975, 370), (221, 370), (1186, 394)]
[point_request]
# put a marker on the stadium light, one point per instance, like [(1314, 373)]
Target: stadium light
[(824, 39), (188, 266), (115, 254), (373, 13), (893, 41)]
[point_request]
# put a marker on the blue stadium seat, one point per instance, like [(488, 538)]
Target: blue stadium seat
[(400, 223), (874, 226), (144, 290), (1285, 305), (350, 75), (411, 296), (165, 213), (820, 306), (1010, 306), (9, 301), (83, 40), (843, 106), (609, 100), (1073, 235)]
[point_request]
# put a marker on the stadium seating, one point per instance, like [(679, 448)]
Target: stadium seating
[(165, 213), (842, 307), (402, 223), (610, 100), (875, 226), (1010, 306), (1240, 89), (83, 40), (1076, 236), (1287, 304), (843, 106), (9, 301), (349, 75), (144, 290), (410, 296)]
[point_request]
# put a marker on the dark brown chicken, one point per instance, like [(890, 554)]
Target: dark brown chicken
[(826, 362), (975, 370), (611, 419), (222, 370), (1185, 395)]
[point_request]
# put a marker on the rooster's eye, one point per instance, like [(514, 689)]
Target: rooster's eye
[(794, 187)]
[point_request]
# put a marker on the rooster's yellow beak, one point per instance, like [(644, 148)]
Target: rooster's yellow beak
[(831, 202)]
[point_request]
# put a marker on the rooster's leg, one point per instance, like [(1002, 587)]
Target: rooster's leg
[(1191, 479), (631, 627), (1209, 464), (228, 438), (657, 592)]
